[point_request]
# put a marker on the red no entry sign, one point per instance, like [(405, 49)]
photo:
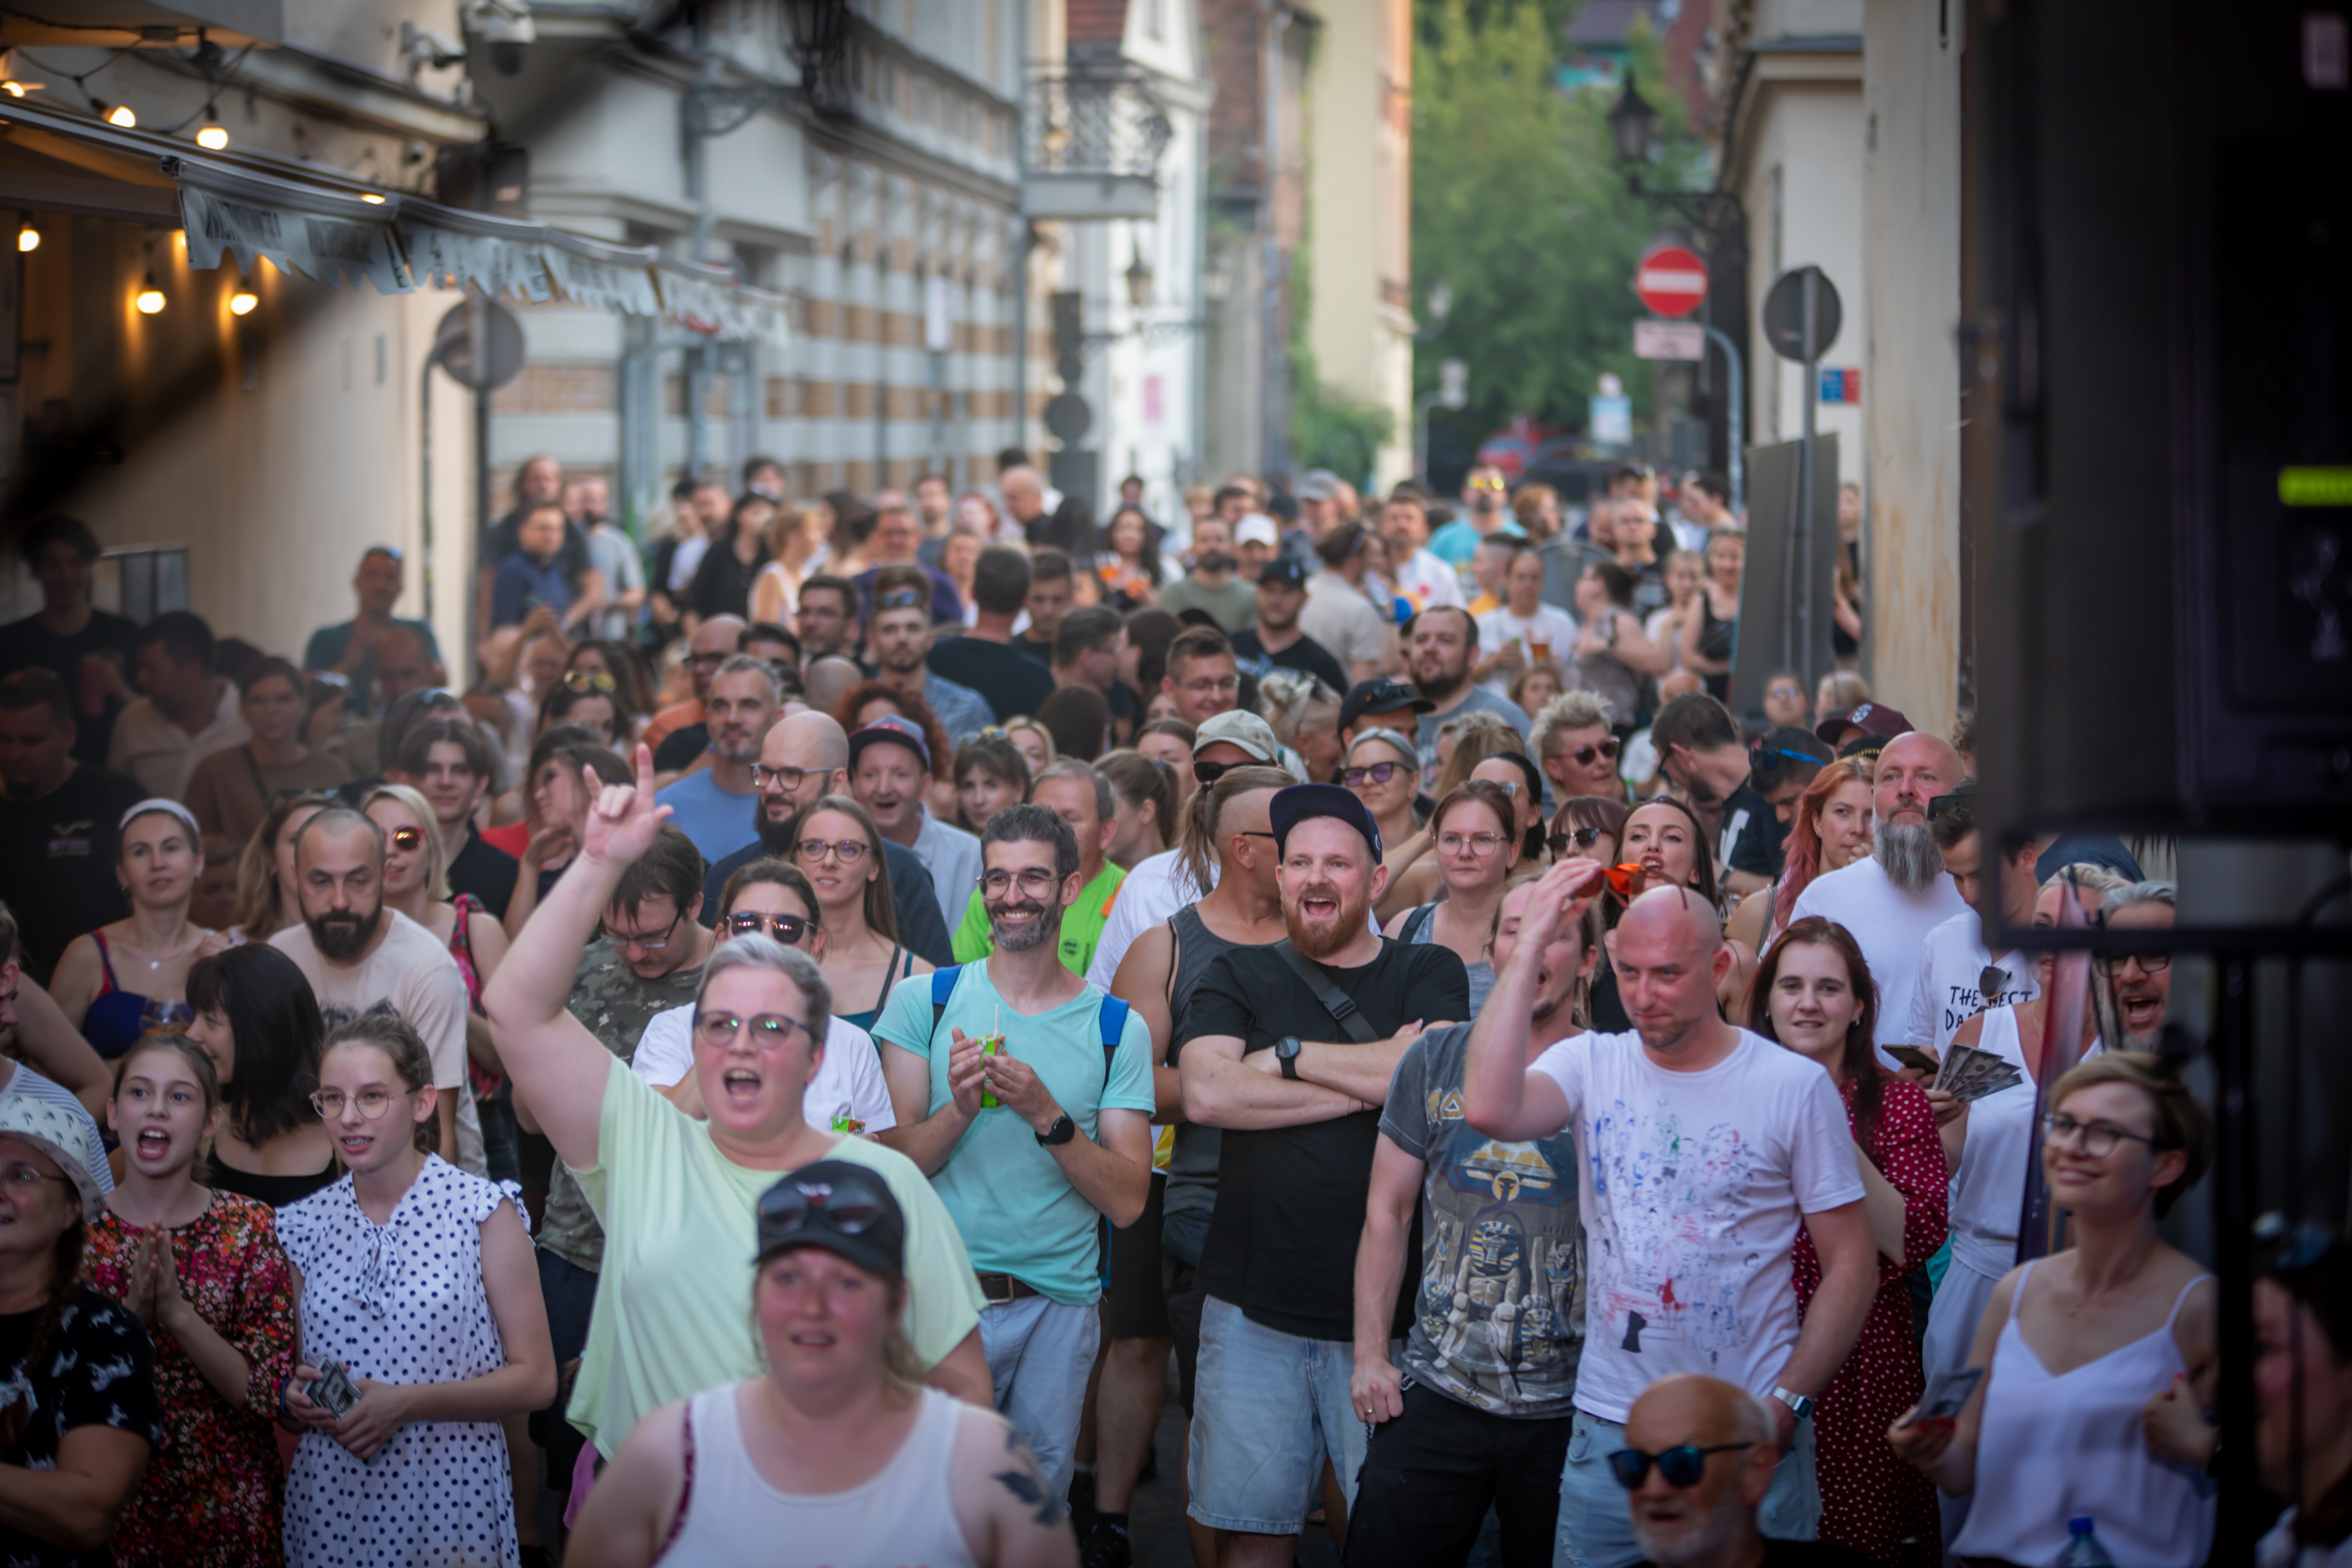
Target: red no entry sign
[(1671, 280)]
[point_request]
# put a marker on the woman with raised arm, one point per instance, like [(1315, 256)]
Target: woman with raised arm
[(157, 860), (676, 1195), (204, 1271), (418, 1281)]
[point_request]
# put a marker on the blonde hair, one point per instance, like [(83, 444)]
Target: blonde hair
[(437, 885), (2181, 1123)]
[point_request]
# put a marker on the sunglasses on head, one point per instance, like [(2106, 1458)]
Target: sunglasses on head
[(844, 1205), (900, 599), (1680, 1466), (785, 929)]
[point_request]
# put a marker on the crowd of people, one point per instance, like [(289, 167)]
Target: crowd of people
[(775, 1063)]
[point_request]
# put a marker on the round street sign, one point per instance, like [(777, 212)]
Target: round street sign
[(1786, 320), (1671, 280)]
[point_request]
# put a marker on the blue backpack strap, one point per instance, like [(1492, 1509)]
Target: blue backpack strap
[(1113, 1017), (943, 985)]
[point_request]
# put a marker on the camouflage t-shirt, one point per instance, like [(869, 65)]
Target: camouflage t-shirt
[(615, 1006)]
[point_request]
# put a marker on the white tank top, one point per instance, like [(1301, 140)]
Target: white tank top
[(2053, 1448), (1988, 1189), (731, 1515)]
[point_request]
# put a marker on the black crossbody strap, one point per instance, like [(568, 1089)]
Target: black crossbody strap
[(1335, 1001)]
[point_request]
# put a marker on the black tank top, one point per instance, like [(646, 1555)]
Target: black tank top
[(277, 1192), (1191, 1191)]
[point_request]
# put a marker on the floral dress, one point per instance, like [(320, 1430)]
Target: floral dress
[(1871, 1501), (216, 1486), (402, 1302)]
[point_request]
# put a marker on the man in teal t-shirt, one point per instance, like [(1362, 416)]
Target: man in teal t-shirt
[(1031, 1147), (1082, 797)]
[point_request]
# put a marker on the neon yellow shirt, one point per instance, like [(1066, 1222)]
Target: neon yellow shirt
[(1082, 924)]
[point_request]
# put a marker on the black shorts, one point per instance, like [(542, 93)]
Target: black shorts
[(1135, 1306), (1186, 1296)]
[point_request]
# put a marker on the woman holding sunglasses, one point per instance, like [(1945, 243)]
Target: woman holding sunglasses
[(839, 850), (2096, 1359), (1815, 996), (1476, 851), (418, 1281), (768, 897), (415, 884)]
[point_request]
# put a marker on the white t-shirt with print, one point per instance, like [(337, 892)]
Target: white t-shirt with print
[(1695, 1184), (1429, 582), (847, 1081), (1947, 993), (1891, 928), (1548, 625)]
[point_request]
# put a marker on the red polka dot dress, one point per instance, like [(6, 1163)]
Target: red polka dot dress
[(1871, 1501)]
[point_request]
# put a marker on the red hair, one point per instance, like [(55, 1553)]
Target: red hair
[(915, 708), (1801, 860)]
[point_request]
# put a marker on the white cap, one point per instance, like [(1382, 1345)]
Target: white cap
[(1257, 529)]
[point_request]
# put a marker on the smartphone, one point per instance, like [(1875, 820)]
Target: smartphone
[(1913, 1056)]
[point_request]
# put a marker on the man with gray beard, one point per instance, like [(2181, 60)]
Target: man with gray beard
[(1890, 903)]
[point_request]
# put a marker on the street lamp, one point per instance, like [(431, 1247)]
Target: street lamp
[(1630, 119), (1139, 280)]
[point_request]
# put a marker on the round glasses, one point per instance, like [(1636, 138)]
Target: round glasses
[(373, 1103), (849, 851), (2096, 1139), (785, 779), (1035, 880), (1355, 778), (768, 1031), (1678, 1466), (1478, 844)]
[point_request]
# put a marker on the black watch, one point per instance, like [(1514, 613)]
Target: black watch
[(1061, 1131), (1286, 1051)]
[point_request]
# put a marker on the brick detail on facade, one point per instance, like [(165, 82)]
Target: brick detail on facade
[(557, 388)]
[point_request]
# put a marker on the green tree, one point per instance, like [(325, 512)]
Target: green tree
[(1519, 207), (1332, 428)]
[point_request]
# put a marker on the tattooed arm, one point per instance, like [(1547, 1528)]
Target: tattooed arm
[(1008, 1517)]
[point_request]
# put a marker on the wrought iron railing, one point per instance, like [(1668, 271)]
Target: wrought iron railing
[(1092, 120)]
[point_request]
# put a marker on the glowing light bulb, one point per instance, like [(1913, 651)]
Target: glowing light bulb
[(242, 301), (371, 198), (120, 115), (213, 138), (13, 89), (151, 298), (28, 238)]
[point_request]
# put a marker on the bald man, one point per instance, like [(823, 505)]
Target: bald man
[(1703, 1449), (829, 679), (803, 757), (1707, 1147), (1891, 901), (714, 642)]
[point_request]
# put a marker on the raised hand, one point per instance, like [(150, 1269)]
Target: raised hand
[(1559, 898), (622, 818)]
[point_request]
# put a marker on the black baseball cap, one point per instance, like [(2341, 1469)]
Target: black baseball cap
[(1382, 695), (1282, 569), (840, 1207), (1299, 803), (891, 729)]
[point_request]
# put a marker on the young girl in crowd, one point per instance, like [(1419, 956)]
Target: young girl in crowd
[(1144, 791), (415, 884), (266, 903), (203, 1270), (257, 1021), (157, 860), (768, 897), (2089, 1351), (990, 774), (1476, 850), (419, 1280), (1813, 995), (840, 853), (83, 1419)]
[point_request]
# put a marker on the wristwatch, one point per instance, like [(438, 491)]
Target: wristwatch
[(1286, 1051), (1801, 1404), (1061, 1131)]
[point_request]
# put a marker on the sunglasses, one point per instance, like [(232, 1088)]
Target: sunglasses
[(1582, 756), (845, 1207), (1210, 773), (587, 680), (785, 929), (405, 838), (1680, 1466), (1582, 837), (901, 599), (1379, 773)]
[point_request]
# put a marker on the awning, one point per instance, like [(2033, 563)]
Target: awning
[(397, 242)]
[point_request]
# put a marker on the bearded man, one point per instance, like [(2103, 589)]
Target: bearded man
[(1891, 901), (360, 957), (1290, 1049)]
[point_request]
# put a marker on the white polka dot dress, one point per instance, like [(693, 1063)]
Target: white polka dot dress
[(402, 1302)]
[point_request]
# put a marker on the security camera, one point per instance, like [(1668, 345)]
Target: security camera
[(505, 25)]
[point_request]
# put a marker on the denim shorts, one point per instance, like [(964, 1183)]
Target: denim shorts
[(1269, 1407)]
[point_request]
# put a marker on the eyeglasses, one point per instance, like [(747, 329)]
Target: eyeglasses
[(1681, 1467), (1379, 774), (1583, 837), (2096, 1139), (373, 1103), (1034, 880), (645, 943), (789, 1208), (1478, 844), (786, 929), (585, 680), (24, 1178), (849, 851), (1212, 686), (406, 839), (769, 1031), (1582, 756), (785, 779), (2149, 963)]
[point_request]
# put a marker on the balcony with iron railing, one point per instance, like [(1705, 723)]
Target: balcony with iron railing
[(1092, 135)]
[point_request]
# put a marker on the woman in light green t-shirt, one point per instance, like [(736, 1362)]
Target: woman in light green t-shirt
[(677, 1197)]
